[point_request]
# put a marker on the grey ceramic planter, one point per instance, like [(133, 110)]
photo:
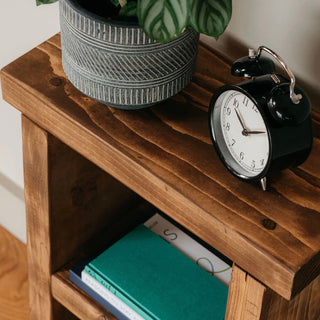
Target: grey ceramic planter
[(117, 64)]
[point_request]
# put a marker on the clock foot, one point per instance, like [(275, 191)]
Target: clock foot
[(263, 183)]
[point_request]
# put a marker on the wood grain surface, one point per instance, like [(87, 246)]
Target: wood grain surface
[(248, 299), (73, 208), (76, 300), (13, 278), (251, 300), (165, 155)]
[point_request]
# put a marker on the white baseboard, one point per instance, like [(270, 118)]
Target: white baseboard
[(12, 208)]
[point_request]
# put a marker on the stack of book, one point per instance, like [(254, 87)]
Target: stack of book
[(157, 271)]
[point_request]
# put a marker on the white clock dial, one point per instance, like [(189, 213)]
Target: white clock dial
[(241, 133)]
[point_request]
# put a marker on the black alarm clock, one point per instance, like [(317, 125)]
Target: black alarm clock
[(263, 124)]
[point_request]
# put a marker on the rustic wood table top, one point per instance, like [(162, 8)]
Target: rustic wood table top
[(165, 154)]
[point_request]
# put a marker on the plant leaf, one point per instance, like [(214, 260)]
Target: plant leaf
[(129, 10), (211, 17), (115, 2), (163, 20), (38, 2), (122, 2)]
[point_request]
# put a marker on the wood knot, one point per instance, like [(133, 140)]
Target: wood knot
[(55, 81), (269, 224)]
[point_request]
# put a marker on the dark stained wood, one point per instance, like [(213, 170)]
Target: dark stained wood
[(80, 189), (165, 155), (76, 300), (72, 206), (251, 300), (248, 299), (35, 146), (304, 306)]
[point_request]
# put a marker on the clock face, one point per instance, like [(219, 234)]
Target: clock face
[(240, 134)]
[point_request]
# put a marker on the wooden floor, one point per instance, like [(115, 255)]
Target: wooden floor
[(13, 278)]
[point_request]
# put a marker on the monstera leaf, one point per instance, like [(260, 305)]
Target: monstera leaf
[(210, 17), (163, 20), (129, 10), (38, 2)]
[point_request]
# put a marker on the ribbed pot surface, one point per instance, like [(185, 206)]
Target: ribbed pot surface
[(117, 64)]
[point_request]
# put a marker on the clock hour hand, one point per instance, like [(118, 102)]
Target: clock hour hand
[(240, 119), (245, 131)]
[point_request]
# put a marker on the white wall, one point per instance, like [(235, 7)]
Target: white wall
[(289, 27), (22, 27)]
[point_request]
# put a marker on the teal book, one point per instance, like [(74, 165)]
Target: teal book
[(158, 281)]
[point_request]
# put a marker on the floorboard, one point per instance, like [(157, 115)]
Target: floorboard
[(13, 278)]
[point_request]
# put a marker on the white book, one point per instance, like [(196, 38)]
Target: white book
[(109, 296), (190, 247)]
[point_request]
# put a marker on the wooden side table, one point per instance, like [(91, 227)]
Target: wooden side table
[(91, 173)]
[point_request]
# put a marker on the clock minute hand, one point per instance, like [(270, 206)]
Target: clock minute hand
[(255, 132)]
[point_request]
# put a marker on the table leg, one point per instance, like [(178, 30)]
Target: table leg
[(36, 180), (70, 202), (251, 300)]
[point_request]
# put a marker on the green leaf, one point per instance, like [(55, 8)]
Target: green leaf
[(38, 2), (211, 17), (129, 10), (163, 20), (122, 3), (115, 2)]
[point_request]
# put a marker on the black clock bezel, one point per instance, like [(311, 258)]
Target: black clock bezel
[(221, 155)]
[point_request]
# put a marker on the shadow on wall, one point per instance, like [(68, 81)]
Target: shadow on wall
[(11, 187), (234, 49)]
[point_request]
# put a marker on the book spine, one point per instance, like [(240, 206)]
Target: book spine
[(110, 297), (76, 279), (190, 247), (117, 293)]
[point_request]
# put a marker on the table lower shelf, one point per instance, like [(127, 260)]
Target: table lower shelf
[(248, 299), (76, 300)]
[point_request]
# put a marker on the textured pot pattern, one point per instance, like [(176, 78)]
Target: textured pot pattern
[(117, 64)]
